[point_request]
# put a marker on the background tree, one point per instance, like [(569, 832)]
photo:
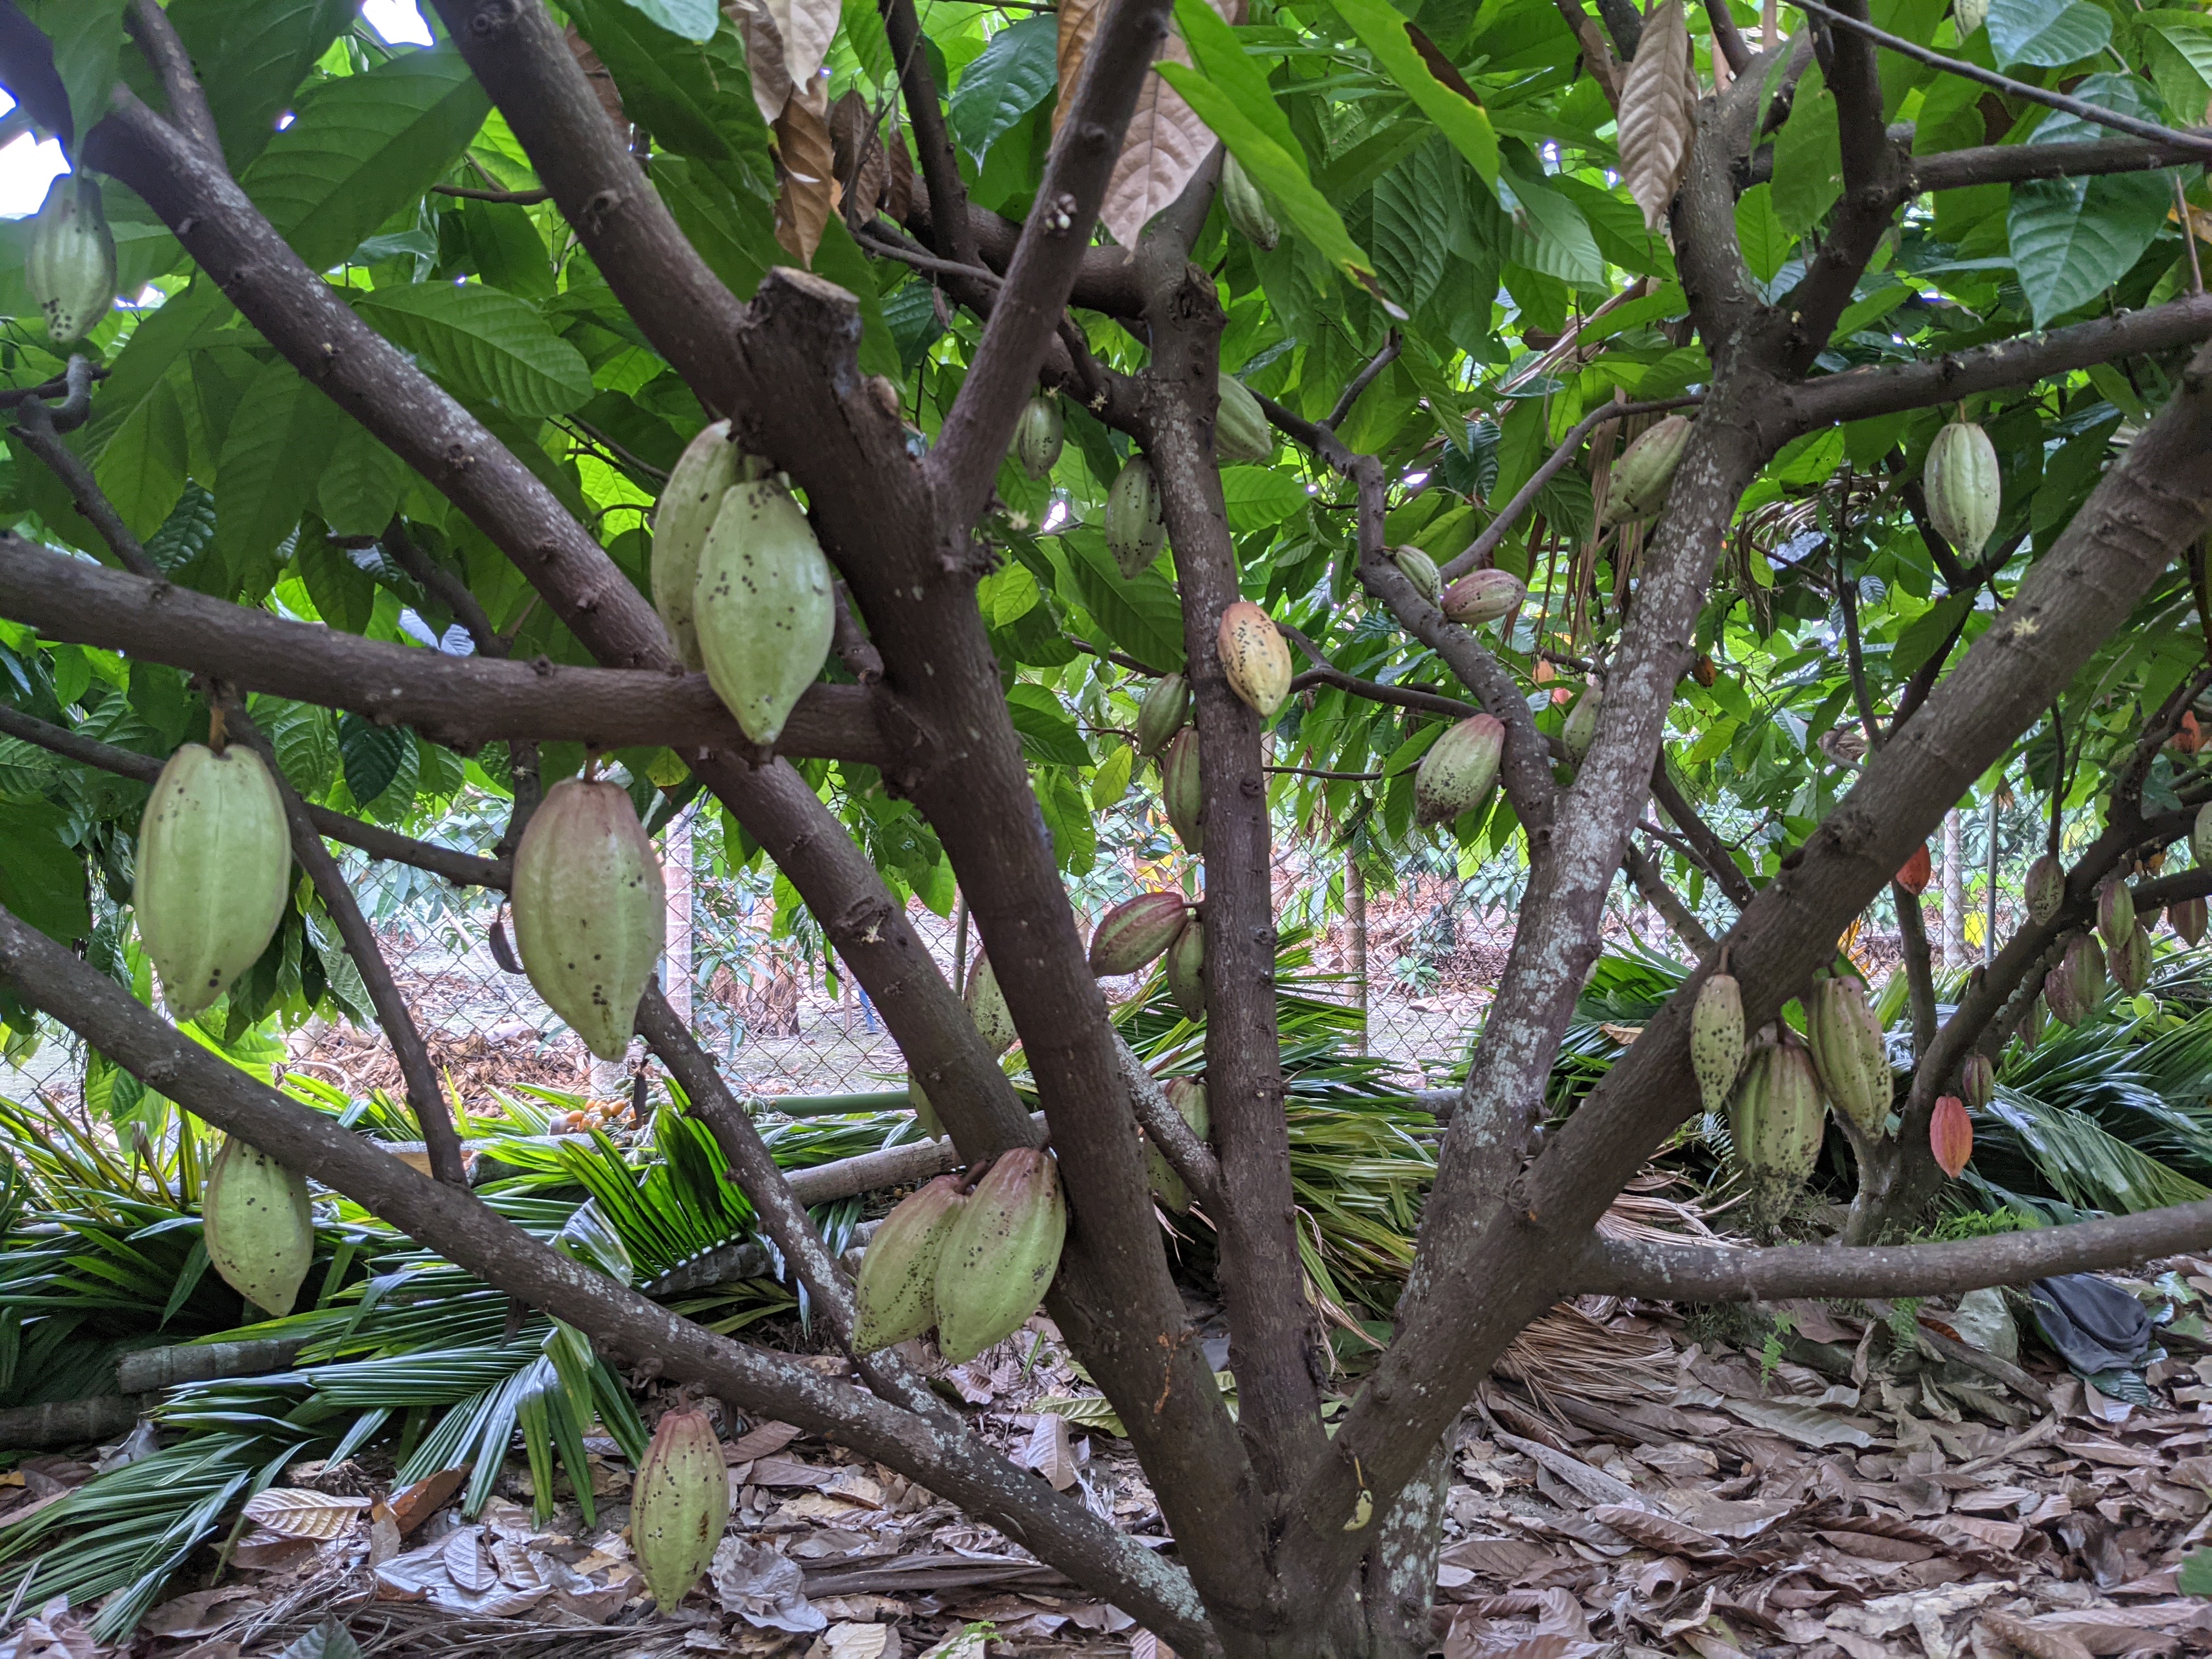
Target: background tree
[(423, 351)]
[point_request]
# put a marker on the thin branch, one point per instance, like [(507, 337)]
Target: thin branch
[(1381, 360), (173, 66), (940, 165), (1691, 1273), (1645, 873), (1847, 595), (1735, 51), (850, 640), (1711, 852), (1479, 551), (425, 1096), (2015, 164), (1325, 672), (35, 429), (1919, 966), (443, 586), (473, 193), (2197, 146), (462, 869), (897, 248), (1190, 1156)]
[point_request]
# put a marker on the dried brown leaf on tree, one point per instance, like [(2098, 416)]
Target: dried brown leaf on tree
[(862, 170), (1165, 144), (602, 80), (805, 28), (764, 56), (1078, 21), (898, 182), (1655, 113), (809, 195)]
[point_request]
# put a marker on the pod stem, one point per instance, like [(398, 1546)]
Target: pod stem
[(218, 739)]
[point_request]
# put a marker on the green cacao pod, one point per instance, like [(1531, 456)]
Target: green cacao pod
[(705, 472), (925, 1115), (1459, 770), (1775, 1122), (2187, 918), (591, 914), (2200, 837), (895, 1292), (2116, 913), (1717, 1038), (1186, 970), (987, 1006), (1848, 1049), (1241, 431), (1182, 793), (1418, 568), (1579, 729), (1482, 596), (214, 869), (1001, 1256), (1038, 434), (1136, 517), (1978, 1081), (1961, 481), (257, 1225), (1135, 932), (764, 607), (2130, 960), (1247, 208), (1160, 716), (2044, 888), (1254, 656), (71, 267), (679, 1506), (2085, 958), (1642, 476), (1187, 1096)]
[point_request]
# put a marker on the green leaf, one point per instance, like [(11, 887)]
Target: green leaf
[(282, 434), (1384, 31), (345, 594), (1015, 72), (2031, 32), (42, 877), (1258, 497), (372, 754), (1048, 733), (1808, 163), (484, 345), (1409, 256), (252, 58), (363, 485), (330, 1639), (306, 740), (88, 38), (1555, 239), (2072, 239), (691, 20), (187, 532), (1141, 615), (2195, 1577), (697, 100), (142, 466), (364, 146), (1760, 232)]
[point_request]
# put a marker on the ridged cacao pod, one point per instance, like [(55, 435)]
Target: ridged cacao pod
[(1038, 434), (764, 607), (1182, 791), (2130, 961), (1254, 656), (1187, 1096), (1848, 1048), (2085, 958), (2200, 837), (987, 1006), (1917, 871), (895, 1292), (1482, 596), (1247, 208), (1644, 471), (1717, 1038), (2033, 1022), (2187, 918), (1969, 16), (1705, 671), (1951, 1135), (679, 1507), (2045, 888), (1160, 716), (257, 1227), (2116, 912), (1001, 1253), (1136, 517), (925, 1115), (1418, 568), (1459, 770), (1241, 431), (1775, 1122), (2061, 995), (70, 266), (214, 869), (1579, 729), (705, 472), (1963, 490), (1186, 970), (591, 912), (1135, 932), (1977, 1081)]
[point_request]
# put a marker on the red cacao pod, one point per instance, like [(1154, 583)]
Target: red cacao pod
[(1951, 1135), (1917, 871)]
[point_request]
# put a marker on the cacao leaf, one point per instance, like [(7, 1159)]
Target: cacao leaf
[(808, 195), (485, 344), (1655, 113), (1013, 75), (1162, 147)]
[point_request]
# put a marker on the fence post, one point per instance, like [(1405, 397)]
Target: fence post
[(1355, 924), (675, 865)]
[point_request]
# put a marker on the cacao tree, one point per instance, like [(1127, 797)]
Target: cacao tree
[(1786, 423)]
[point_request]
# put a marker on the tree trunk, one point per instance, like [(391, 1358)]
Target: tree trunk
[(1955, 895), (1355, 928)]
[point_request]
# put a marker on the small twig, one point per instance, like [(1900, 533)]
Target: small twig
[(1381, 360), (441, 583), (1337, 777), (850, 640), (471, 193), (40, 433), (172, 65), (1190, 1156), (2189, 237), (1114, 657), (899, 248)]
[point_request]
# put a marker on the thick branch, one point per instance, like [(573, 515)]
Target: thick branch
[(2015, 164), (1691, 1273)]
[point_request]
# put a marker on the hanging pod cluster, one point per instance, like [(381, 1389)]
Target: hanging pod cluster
[(590, 910), (215, 870), (1775, 1118), (70, 267), (975, 1264), (741, 582), (679, 1506), (1848, 1049), (2073, 989), (1140, 931)]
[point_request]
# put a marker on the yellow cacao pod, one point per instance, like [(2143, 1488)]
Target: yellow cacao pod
[(679, 1507), (896, 1293), (257, 1225), (1001, 1254), (704, 474), (215, 868), (70, 268), (1775, 1122), (764, 607), (1962, 487), (1579, 729), (1254, 656), (591, 912)]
